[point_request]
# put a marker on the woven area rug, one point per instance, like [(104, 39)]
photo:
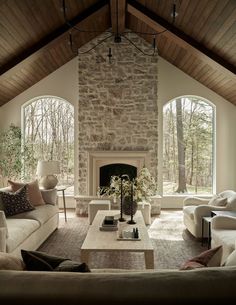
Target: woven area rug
[(172, 243)]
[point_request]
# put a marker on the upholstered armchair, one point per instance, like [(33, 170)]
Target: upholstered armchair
[(223, 233), (195, 208)]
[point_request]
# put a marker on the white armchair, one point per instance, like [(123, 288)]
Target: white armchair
[(195, 208), (223, 232)]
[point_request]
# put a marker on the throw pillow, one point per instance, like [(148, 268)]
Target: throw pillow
[(231, 259), (1, 204), (209, 258), (15, 203), (217, 200), (34, 194), (10, 262), (3, 222), (71, 266), (39, 261)]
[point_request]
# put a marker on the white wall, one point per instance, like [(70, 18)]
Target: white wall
[(172, 82), (62, 83)]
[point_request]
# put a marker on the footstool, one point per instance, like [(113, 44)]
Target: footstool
[(96, 205), (145, 208)]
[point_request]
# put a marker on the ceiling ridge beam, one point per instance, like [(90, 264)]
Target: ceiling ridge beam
[(158, 24), (118, 10), (52, 36)]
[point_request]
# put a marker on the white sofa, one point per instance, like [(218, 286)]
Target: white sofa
[(213, 285), (29, 230), (194, 209), (223, 232)]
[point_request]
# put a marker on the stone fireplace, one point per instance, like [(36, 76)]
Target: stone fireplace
[(117, 112)]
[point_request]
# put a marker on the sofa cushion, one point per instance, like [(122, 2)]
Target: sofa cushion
[(218, 200), (231, 259), (33, 191), (18, 231), (226, 238), (232, 202), (15, 203), (40, 213), (208, 258), (10, 262), (40, 261)]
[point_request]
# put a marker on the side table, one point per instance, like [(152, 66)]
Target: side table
[(206, 220), (62, 189)]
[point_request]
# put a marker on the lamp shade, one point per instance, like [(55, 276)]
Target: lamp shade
[(45, 168)]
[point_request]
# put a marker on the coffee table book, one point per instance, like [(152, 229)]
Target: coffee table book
[(109, 225)]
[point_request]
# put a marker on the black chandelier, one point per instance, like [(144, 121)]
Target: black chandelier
[(117, 35)]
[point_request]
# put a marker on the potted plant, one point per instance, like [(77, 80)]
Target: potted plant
[(13, 154), (142, 188)]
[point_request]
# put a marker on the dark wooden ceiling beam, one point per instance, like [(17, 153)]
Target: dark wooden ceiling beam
[(159, 24), (52, 36), (118, 9)]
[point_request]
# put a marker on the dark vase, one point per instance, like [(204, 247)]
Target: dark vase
[(126, 205)]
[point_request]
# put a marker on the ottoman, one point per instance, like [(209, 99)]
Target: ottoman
[(96, 205)]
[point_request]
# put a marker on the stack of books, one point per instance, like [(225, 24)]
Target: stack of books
[(109, 224)]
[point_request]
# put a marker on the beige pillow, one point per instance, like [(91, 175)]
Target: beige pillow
[(217, 200), (10, 262), (231, 259), (34, 194)]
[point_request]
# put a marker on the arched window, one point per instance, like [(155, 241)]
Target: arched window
[(188, 146), (48, 129)]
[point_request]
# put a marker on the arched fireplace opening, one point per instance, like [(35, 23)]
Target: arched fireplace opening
[(115, 169)]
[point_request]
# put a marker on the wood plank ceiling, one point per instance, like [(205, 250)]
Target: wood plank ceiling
[(34, 37)]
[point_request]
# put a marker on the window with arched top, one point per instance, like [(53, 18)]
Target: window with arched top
[(48, 129), (188, 146)]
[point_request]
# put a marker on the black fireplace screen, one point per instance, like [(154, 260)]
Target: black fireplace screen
[(116, 169)]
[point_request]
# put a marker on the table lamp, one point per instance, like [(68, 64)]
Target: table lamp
[(47, 171)]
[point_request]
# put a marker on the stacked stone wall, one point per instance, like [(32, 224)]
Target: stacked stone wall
[(117, 104)]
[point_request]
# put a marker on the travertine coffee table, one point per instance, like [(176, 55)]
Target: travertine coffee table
[(97, 240)]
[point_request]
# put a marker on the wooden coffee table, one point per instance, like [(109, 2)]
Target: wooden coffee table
[(97, 240)]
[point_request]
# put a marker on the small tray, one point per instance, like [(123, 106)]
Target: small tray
[(133, 239)]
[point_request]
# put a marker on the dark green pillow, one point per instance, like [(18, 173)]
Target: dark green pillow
[(72, 266), (40, 261)]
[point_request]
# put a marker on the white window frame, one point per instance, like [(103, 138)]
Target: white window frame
[(160, 147), (75, 130)]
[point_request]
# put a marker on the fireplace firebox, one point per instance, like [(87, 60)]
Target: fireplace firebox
[(113, 163), (116, 169)]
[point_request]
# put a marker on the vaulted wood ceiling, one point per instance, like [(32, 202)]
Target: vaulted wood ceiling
[(34, 37)]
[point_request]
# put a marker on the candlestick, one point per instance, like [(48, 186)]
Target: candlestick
[(131, 221), (121, 219)]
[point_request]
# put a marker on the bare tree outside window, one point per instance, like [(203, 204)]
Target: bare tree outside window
[(188, 145), (49, 134)]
